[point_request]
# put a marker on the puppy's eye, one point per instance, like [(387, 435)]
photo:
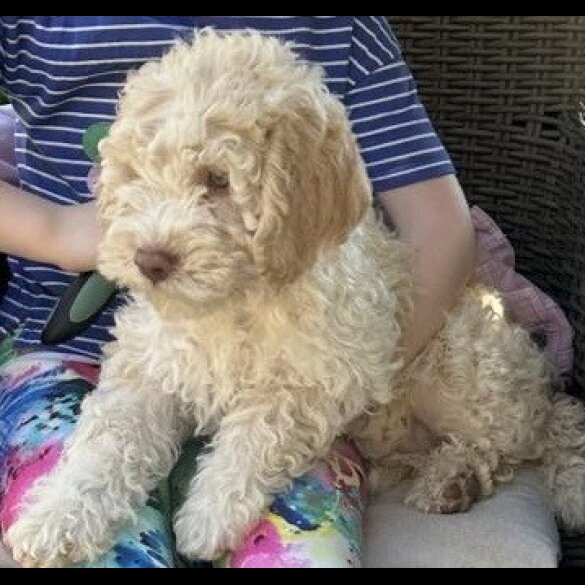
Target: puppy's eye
[(218, 181)]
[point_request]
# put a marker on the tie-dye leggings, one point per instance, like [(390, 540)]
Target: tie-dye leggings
[(317, 524)]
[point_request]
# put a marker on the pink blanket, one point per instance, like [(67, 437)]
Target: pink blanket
[(524, 302)]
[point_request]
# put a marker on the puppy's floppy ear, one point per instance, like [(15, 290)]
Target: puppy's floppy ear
[(315, 190)]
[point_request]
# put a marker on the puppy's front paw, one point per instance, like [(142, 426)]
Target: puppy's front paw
[(48, 535), (208, 529), (38, 541)]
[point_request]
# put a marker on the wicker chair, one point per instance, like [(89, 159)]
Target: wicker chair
[(505, 93)]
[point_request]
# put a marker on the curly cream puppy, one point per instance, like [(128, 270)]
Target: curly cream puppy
[(266, 309)]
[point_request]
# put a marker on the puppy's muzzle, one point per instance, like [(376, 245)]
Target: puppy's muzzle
[(156, 265)]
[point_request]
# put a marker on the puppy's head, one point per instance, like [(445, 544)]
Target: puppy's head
[(230, 167)]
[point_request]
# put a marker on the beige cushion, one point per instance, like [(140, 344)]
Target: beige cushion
[(514, 529)]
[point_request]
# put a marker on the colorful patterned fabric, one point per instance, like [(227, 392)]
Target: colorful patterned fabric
[(317, 524)]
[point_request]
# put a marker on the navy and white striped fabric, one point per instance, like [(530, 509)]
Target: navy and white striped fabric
[(64, 73)]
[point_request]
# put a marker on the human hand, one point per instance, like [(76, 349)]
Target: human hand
[(77, 236)]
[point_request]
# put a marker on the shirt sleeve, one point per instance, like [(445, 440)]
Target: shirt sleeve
[(397, 139)]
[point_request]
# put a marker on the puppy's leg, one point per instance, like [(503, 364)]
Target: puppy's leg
[(126, 442), (459, 463), (260, 447), (483, 388)]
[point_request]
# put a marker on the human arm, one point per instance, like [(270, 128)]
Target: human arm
[(412, 175), (36, 229), (41, 231), (433, 220)]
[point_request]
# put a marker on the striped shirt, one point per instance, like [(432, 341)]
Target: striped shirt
[(64, 74)]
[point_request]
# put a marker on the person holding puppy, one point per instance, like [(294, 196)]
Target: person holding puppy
[(63, 75)]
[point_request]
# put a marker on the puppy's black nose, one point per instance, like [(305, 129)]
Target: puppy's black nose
[(156, 265)]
